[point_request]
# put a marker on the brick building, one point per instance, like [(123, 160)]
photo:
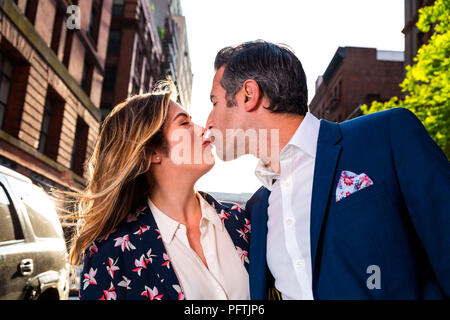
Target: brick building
[(50, 87), (147, 43), (414, 39), (356, 76), (171, 26), (134, 56)]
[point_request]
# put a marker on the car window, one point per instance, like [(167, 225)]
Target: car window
[(40, 209), (9, 225)]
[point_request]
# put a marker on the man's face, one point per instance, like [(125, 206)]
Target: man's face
[(223, 119)]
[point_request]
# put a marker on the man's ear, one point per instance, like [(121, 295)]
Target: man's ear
[(251, 95)]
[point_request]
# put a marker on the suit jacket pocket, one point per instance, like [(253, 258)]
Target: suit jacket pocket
[(362, 197)]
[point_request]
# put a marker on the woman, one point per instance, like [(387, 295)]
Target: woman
[(146, 233)]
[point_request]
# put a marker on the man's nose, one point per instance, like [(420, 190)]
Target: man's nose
[(209, 123)]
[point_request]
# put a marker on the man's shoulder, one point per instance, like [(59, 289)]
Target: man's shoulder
[(260, 195), (381, 118)]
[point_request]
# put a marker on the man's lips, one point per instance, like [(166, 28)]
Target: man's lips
[(206, 143)]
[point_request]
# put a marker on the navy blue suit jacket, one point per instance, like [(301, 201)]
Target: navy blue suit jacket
[(400, 224), (131, 262)]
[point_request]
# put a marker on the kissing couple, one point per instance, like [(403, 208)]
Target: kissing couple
[(352, 210)]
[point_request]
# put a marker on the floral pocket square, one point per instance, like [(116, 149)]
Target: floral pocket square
[(350, 182)]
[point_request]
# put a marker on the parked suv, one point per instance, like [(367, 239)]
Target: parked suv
[(33, 255)]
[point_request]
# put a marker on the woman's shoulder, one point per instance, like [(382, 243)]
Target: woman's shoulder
[(121, 238)]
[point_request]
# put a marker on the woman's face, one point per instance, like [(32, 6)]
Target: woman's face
[(188, 147)]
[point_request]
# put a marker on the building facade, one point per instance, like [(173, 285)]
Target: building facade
[(134, 58), (171, 26), (356, 76), (147, 43), (414, 38), (50, 88)]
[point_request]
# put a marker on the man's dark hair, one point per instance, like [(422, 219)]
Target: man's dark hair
[(276, 69)]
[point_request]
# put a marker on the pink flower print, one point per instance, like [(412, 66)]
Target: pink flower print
[(112, 267), (178, 290), (152, 294), (243, 254), (149, 256), (109, 294), (166, 261), (223, 215), (141, 230), (348, 181), (89, 278), (236, 207), (242, 234), (159, 234), (125, 283), (140, 264), (365, 180), (93, 249), (247, 226), (124, 243)]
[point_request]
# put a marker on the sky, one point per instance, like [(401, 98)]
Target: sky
[(313, 29)]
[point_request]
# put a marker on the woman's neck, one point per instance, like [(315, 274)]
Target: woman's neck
[(178, 200)]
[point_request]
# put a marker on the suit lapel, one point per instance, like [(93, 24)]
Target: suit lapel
[(258, 206), (327, 157)]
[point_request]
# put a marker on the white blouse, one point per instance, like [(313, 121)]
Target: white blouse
[(224, 278)]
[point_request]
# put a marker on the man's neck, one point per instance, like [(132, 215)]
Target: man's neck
[(280, 130)]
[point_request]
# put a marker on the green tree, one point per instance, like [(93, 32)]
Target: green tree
[(427, 81)]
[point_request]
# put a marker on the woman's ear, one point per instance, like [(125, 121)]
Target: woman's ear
[(155, 157)]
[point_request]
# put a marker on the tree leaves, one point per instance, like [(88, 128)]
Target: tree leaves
[(427, 81)]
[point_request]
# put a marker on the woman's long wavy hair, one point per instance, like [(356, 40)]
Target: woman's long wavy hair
[(119, 166)]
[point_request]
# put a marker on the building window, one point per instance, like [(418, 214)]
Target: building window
[(68, 48), (117, 10), (87, 75), (114, 41), (57, 29), (109, 80), (79, 147), (31, 10), (94, 21), (51, 124), (6, 73)]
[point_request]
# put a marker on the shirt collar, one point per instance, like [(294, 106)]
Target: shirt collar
[(168, 227), (306, 135), (305, 138), (209, 213)]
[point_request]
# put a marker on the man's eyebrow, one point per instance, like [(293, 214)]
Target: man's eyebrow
[(181, 114)]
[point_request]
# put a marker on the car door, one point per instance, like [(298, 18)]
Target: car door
[(15, 264)]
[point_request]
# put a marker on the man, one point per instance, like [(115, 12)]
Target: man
[(357, 210)]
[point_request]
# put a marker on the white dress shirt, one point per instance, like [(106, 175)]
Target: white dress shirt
[(289, 212), (224, 278)]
